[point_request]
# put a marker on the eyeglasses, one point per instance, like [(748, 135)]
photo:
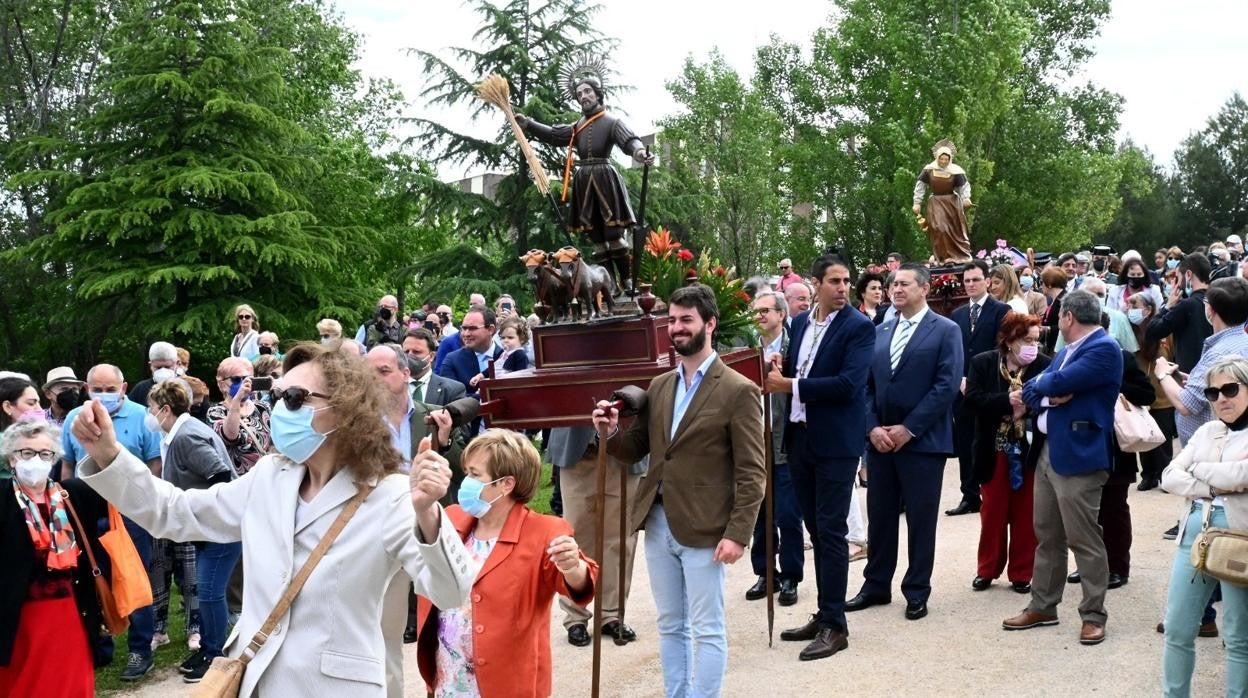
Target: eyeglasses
[(245, 317), (294, 397), (471, 328), (764, 311), (1228, 390), (27, 453)]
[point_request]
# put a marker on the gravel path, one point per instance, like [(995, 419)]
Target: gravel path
[(959, 649)]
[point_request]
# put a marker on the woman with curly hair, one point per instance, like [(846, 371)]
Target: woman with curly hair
[(333, 453)]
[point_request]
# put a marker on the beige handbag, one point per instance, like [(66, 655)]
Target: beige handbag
[(224, 678), (1221, 553), (1135, 428)]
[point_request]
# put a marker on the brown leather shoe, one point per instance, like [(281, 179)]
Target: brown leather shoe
[(1028, 619), (1093, 633), (827, 643)]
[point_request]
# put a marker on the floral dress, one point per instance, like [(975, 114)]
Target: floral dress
[(457, 677)]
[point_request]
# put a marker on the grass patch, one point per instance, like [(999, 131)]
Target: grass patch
[(108, 679)]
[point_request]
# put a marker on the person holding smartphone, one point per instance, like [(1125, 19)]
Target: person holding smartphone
[(241, 421)]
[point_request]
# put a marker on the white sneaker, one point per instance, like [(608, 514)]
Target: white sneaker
[(192, 642), (159, 640)]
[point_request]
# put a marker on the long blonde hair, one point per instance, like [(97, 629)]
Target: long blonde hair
[(1010, 288), (255, 319)]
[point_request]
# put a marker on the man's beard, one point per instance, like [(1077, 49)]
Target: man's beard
[(590, 108), (695, 344)]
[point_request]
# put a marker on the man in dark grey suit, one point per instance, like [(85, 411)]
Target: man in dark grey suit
[(425, 385), (570, 451)]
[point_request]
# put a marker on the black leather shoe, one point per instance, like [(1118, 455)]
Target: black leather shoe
[(980, 583), (1147, 484), (965, 507), (915, 610), (1074, 578), (804, 633), (1116, 580), (1021, 587), (409, 636), (788, 592), (578, 635), (758, 591), (620, 632), (862, 601), (827, 643)]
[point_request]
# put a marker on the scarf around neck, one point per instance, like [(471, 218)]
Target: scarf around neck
[(56, 535)]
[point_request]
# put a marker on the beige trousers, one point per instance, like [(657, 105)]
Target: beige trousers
[(579, 486)]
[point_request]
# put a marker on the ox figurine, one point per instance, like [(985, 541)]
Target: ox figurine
[(588, 284), (549, 287)]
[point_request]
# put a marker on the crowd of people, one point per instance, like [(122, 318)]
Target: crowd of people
[(336, 457)]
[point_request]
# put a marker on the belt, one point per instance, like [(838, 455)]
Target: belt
[(595, 161)]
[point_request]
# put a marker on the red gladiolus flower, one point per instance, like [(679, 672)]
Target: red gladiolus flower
[(684, 255)]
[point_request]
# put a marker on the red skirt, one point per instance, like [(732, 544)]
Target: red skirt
[(51, 658)]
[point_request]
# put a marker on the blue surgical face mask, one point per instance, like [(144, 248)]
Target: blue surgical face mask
[(1135, 315), (1027, 283), (110, 401), (1172, 264), (470, 497), (292, 431), (1166, 289)]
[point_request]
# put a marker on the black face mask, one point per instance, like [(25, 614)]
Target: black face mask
[(199, 410), (266, 350), (1136, 282), (385, 313), (1098, 264), (69, 399)]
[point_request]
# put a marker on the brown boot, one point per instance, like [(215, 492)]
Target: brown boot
[(1028, 619), (1092, 633)]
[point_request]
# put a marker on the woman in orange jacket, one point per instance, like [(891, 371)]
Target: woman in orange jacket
[(498, 642)]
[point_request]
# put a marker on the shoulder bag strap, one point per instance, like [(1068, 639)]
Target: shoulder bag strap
[(86, 544), (296, 584)]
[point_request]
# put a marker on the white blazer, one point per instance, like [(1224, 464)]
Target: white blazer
[(330, 643)]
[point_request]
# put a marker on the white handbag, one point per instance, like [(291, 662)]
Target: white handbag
[(1135, 428)]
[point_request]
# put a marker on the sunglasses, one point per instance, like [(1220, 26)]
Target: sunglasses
[(1228, 390), (295, 397), (245, 317), (233, 380)]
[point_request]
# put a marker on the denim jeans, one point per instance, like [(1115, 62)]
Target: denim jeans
[(143, 620), (214, 564), (1186, 597), (688, 588)]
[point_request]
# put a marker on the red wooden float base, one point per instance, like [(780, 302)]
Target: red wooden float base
[(578, 364)]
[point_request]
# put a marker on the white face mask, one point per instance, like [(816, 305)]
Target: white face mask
[(163, 374), (32, 472)]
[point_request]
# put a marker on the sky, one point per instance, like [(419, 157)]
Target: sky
[(1174, 64)]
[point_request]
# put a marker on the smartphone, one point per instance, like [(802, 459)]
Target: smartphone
[(508, 306), (261, 383)]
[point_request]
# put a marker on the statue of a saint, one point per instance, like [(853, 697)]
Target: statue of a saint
[(600, 206), (946, 209)]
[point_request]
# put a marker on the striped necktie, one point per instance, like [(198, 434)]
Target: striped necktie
[(899, 341), (974, 315)]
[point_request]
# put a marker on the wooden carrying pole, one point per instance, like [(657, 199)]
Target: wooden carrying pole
[(600, 545)]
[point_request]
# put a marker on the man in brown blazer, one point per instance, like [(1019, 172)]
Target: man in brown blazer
[(703, 432)]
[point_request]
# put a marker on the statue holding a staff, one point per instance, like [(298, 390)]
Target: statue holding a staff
[(600, 205)]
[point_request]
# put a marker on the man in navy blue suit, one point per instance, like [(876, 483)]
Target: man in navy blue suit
[(979, 321), (1074, 399), (825, 373), (916, 370), (465, 363)]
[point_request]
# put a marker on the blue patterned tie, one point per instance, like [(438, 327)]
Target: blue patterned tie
[(899, 342)]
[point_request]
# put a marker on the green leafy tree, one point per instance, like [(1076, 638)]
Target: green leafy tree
[(1212, 175), (723, 153), (191, 201), (527, 42)]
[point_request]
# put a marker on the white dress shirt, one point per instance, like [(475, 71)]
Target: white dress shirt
[(811, 340)]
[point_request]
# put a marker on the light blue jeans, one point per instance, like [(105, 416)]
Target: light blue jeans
[(688, 588), (1185, 601)]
